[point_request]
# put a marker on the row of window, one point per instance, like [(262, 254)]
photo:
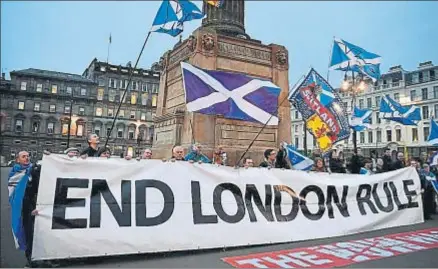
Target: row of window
[(54, 88), (146, 98), (52, 108), (135, 85), (77, 129)]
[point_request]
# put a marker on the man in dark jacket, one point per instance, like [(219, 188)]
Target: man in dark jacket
[(400, 162), (387, 160), (92, 149), (356, 161)]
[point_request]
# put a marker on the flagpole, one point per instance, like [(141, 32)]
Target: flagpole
[(127, 86), (264, 126), (109, 44)]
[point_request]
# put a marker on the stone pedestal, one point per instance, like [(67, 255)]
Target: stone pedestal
[(206, 49)]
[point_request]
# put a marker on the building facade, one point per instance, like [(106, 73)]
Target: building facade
[(36, 107), (418, 87)]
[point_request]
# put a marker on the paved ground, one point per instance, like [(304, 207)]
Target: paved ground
[(10, 257)]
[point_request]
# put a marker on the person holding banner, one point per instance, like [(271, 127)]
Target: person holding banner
[(92, 150), (196, 155), (177, 154), (270, 158), (319, 165)]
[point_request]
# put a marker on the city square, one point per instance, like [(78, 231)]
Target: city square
[(263, 124)]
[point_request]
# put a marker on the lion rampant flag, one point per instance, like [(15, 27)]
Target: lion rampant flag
[(321, 132)]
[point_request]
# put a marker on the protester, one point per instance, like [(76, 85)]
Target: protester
[(387, 160), (196, 155), (335, 163), (92, 149), (104, 152), (379, 165), (177, 153), (319, 165), (428, 192), (147, 154), (356, 161), (248, 162), (270, 158), (220, 157), (399, 163), (72, 152), (367, 169)]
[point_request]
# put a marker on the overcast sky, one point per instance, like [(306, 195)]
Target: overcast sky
[(66, 36)]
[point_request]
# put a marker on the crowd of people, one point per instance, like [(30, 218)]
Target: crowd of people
[(331, 162)]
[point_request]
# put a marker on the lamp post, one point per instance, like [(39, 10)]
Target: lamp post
[(353, 87), (69, 119)]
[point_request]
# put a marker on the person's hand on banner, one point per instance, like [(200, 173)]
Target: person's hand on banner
[(34, 212)]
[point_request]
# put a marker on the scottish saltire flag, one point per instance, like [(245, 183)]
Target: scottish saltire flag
[(349, 57), (392, 110), (216, 3), (322, 109), (172, 14), (435, 185), (361, 119), (433, 135), (433, 160), (235, 96), (17, 183), (297, 160), (364, 171)]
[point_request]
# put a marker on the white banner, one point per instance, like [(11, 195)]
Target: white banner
[(98, 207)]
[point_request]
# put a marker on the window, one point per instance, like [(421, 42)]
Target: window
[(121, 113), (36, 107), (68, 90), (23, 85), (154, 88), (111, 95), (414, 134), (144, 87), (362, 137), (425, 133), (54, 89), (297, 114), (377, 101), (134, 85), (83, 92), (64, 130), (388, 136), (370, 137), (98, 111), (144, 99), (143, 116), (379, 136), (101, 82), (154, 100), (435, 92), (345, 105), (78, 145), (97, 130), (112, 83), (425, 112), (108, 132), (424, 94), (100, 92), (39, 87), (413, 95), (121, 95), (131, 134), (50, 127), (67, 108), (52, 108), (120, 132), (35, 126), (110, 112), (122, 84), (133, 98), (397, 97), (360, 103), (19, 125), (132, 115), (81, 111), (369, 102), (80, 130), (21, 105), (398, 135), (297, 142)]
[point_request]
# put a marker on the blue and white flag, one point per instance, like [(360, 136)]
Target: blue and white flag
[(17, 183), (435, 185), (349, 57), (364, 171), (172, 14), (391, 110), (361, 119), (235, 96), (433, 135), (297, 160)]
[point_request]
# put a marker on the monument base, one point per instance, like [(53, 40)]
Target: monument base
[(208, 50)]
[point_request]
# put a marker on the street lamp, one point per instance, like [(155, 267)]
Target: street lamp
[(353, 86)]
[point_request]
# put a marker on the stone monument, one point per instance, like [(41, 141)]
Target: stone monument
[(221, 43)]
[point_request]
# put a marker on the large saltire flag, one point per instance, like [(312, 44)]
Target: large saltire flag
[(232, 95), (17, 183), (297, 160), (172, 14), (433, 135), (349, 57), (361, 119), (216, 3), (392, 110), (322, 109)]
